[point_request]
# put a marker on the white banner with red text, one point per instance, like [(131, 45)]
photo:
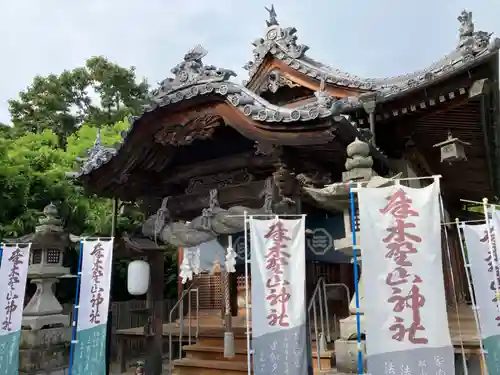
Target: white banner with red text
[(90, 348), (406, 320), (278, 265), (13, 276), (483, 260)]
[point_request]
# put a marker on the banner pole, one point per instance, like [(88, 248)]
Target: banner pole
[(452, 277), (75, 311), (247, 297), (356, 279), (492, 249), (471, 291)]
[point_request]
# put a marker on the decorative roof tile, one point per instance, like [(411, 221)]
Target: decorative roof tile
[(282, 44), (97, 155), (193, 79)]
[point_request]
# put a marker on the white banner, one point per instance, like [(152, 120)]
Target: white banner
[(482, 274), (95, 282), (13, 276), (278, 296), (483, 261), (405, 307)]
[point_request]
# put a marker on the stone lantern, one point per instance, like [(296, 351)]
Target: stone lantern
[(48, 244), (46, 333), (452, 150)]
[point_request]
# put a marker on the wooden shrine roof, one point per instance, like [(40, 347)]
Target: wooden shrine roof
[(192, 112), (128, 246), (279, 48)]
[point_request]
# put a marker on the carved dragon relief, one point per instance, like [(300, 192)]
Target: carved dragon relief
[(201, 127)]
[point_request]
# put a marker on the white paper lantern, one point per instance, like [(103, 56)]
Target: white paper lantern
[(138, 277)]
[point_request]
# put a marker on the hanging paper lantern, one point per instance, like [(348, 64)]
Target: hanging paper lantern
[(138, 277)]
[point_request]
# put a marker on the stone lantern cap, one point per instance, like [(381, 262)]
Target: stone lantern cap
[(48, 242)]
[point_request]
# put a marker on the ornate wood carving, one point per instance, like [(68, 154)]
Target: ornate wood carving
[(218, 181), (247, 160), (285, 178), (313, 175), (183, 206), (201, 127), (299, 78), (264, 148), (274, 80)]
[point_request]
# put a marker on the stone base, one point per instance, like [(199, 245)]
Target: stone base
[(45, 337), (61, 371), (346, 356), (45, 360), (44, 351), (37, 322), (348, 327)]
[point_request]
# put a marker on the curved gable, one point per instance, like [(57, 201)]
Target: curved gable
[(279, 47)]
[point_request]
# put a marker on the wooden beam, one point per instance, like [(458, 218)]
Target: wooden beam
[(247, 194), (225, 164)]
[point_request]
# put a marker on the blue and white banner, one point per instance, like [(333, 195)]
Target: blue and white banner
[(13, 276), (483, 261), (406, 320), (90, 348), (278, 265)]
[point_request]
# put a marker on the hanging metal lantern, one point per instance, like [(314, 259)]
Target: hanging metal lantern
[(452, 150)]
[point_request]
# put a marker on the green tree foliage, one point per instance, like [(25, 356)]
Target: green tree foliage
[(33, 171), (100, 93), (55, 120)]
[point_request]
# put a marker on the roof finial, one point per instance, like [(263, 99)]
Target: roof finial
[(466, 25), (472, 42), (273, 21)]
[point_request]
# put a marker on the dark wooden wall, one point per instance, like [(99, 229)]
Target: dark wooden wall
[(454, 267), (210, 286)]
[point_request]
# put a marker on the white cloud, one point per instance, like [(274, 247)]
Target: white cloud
[(367, 38)]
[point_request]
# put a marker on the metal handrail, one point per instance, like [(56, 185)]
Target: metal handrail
[(312, 306), (180, 305), (319, 297)]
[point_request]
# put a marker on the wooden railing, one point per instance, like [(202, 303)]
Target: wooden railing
[(124, 318)]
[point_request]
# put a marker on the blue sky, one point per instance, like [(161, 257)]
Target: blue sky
[(365, 37)]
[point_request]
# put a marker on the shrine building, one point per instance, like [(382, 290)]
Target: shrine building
[(289, 140)]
